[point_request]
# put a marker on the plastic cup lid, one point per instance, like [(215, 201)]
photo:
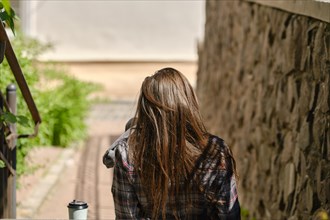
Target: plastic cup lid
[(77, 205)]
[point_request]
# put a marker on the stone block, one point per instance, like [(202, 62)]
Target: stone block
[(308, 196), (264, 157), (318, 51), (305, 97), (323, 105), (289, 179), (303, 138), (288, 148), (296, 158)]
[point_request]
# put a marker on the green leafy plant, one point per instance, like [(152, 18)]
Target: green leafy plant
[(62, 100), (7, 14), (64, 106)]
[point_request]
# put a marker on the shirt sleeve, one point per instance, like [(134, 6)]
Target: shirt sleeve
[(217, 182), (224, 199), (125, 198)]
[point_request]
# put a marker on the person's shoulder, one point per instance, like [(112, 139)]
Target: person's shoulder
[(109, 156), (121, 140), (121, 151), (216, 142), (216, 152)]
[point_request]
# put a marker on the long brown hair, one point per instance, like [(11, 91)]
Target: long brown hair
[(168, 137)]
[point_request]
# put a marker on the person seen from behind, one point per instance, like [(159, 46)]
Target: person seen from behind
[(167, 166)]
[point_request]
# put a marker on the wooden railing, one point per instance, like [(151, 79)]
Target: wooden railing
[(8, 135)]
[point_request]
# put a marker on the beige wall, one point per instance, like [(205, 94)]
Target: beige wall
[(116, 30)]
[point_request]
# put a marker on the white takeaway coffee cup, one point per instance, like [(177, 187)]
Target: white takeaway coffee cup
[(78, 210)]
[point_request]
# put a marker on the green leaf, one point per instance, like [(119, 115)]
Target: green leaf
[(22, 120), (2, 164), (9, 117), (3, 15), (6, 5), (8, 14), (12, 16)]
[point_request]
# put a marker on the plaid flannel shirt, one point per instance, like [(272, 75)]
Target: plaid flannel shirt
[(214, 194)]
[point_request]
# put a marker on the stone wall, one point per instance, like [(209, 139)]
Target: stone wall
[(263, 85)]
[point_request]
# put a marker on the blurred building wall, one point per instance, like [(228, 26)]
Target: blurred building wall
[(263, 83), (116, 30)]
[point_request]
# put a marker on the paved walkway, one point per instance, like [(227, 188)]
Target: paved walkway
[(78, 172)]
